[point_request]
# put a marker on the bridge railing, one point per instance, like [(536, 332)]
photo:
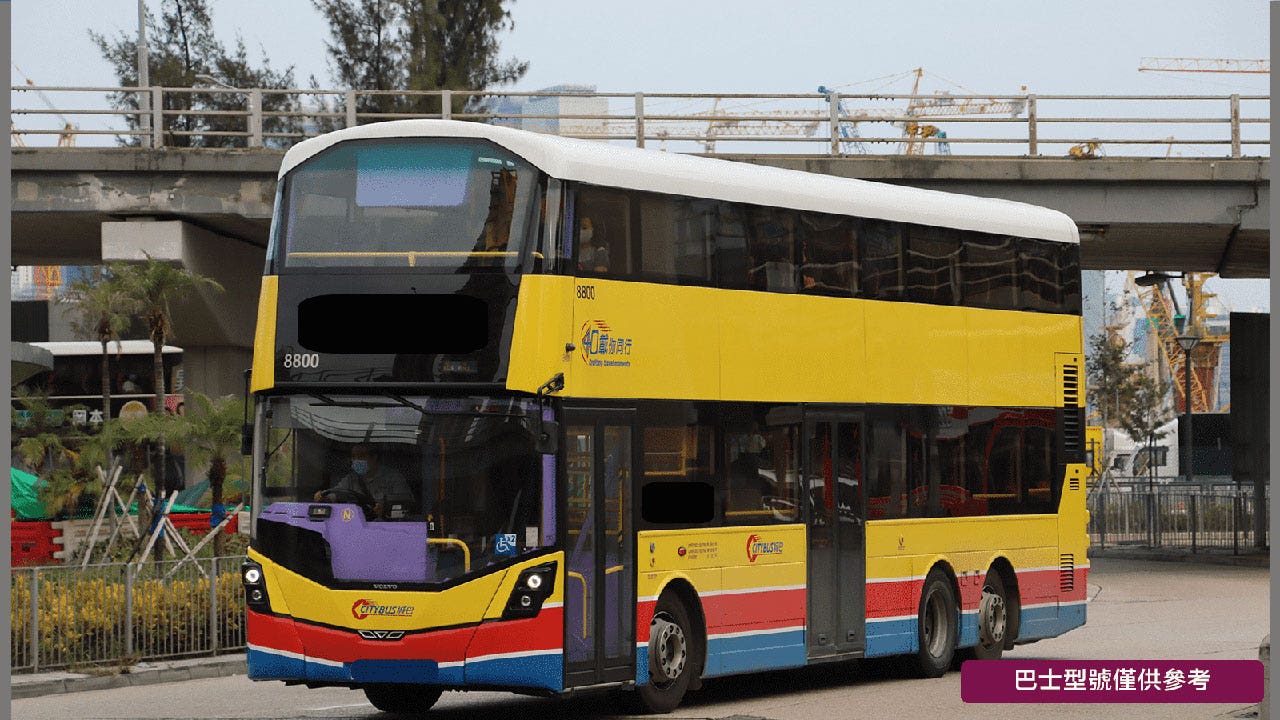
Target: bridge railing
[(806, 123)]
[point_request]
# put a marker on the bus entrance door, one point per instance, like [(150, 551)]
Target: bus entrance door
[(834, 479), (599, 604)]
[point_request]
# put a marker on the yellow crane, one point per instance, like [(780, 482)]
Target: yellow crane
[(1160, 306), (942, 104)]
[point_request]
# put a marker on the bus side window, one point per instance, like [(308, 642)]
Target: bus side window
[(675, 237), (881, 248), (771, 250), (730, 246), (988, 272), (602, 234), (829, 255)]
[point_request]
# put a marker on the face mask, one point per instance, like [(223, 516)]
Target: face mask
[(585, 235), (360, 466)]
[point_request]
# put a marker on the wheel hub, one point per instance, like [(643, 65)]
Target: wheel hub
[(668, 650), (991, 618)]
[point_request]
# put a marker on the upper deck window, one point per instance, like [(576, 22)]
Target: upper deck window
[(435, 204)]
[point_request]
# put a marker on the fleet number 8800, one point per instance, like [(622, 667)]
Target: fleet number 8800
[(586, 292), (302, 360)]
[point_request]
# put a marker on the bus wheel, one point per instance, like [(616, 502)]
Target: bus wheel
[(673, 657), (401, 698), (937, 626), (993, 619)]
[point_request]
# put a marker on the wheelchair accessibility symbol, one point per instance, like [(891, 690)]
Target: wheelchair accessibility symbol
[(504, 544)]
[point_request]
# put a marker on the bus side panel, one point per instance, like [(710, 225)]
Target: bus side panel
[(751, 585), (900, 554)]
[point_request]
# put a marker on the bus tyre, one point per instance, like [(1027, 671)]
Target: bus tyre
[(937, 628), (993, 619), (674, 657), (401, 698)]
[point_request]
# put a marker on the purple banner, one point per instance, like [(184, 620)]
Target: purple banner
[(1111, 681)]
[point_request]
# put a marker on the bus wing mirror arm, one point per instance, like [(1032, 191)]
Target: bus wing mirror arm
[(548, 430)]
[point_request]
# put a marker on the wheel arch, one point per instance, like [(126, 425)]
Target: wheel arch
[(1009, 578), (684, 591)]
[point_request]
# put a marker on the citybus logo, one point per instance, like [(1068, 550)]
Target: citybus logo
[(365, 608), (757, 547), (602, 347)]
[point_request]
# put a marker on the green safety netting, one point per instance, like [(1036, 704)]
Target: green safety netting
[(26, 505)]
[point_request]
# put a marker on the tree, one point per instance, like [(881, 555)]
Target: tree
[(418, 45), (181, 45), (153, 286), (101, 309), (208, 433), (1110, 378)]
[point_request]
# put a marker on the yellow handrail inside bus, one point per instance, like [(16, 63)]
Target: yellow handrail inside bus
[(572, 574), (455, 542), (582, 580)]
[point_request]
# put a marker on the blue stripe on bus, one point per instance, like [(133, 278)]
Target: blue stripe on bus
[(402, 671), (757, 651), (891, 637), (270, 666), (1050, 620), (543, 670), (968, 629)]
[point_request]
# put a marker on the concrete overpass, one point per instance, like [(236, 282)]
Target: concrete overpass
[(211, 209)]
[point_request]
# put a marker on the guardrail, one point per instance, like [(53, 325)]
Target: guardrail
[(67, 616), (835, 124), (1185, 518)]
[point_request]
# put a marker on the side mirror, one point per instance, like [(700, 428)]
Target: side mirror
[(246, 439), (549, 437)]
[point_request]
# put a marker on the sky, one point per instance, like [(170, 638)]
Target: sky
[(992, 46)]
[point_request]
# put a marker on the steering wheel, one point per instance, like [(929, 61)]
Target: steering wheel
[(365, 502)]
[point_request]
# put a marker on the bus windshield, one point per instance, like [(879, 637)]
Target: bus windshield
[(402, 489), (437, 204)]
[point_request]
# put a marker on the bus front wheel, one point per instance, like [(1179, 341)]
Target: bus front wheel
[(674, 657), (402, 699), (937, 626)]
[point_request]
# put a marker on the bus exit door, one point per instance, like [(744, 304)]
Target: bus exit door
[(599, 592), (834, 480)]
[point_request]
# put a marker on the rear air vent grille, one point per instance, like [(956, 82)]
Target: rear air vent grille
[(1067, 573)]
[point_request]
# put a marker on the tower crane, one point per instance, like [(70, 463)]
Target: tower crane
[(943, 105), (67, 138), (1162, 311), (1209, 65)]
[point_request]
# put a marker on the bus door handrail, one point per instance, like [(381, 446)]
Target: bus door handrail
[(466, 551), (583, 580)]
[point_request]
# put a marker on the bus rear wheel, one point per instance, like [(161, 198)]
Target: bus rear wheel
[(674, 658), (993, 619), (401, 698), (937, 629)]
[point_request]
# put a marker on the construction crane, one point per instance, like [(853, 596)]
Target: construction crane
[(1207, 65), (1162, 311), (720, 122), (67, 138), (944, 105)]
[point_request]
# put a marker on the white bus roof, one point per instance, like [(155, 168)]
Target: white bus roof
[(89, 347), (675, 174)]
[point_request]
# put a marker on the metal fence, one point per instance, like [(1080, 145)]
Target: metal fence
[(810, 123), (67, 616), (1190, 518)]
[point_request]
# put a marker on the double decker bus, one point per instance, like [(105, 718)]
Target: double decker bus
[(660, 419)]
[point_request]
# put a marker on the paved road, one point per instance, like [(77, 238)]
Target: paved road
[(1137, 610)]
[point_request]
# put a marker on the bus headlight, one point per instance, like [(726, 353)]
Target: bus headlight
[(255, 591), (533, 587)]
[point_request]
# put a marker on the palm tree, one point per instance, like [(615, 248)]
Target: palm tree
[(208, 433), (102, 309), (154, 285)]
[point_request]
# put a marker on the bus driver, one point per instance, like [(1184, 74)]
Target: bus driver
[(382, 484)]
